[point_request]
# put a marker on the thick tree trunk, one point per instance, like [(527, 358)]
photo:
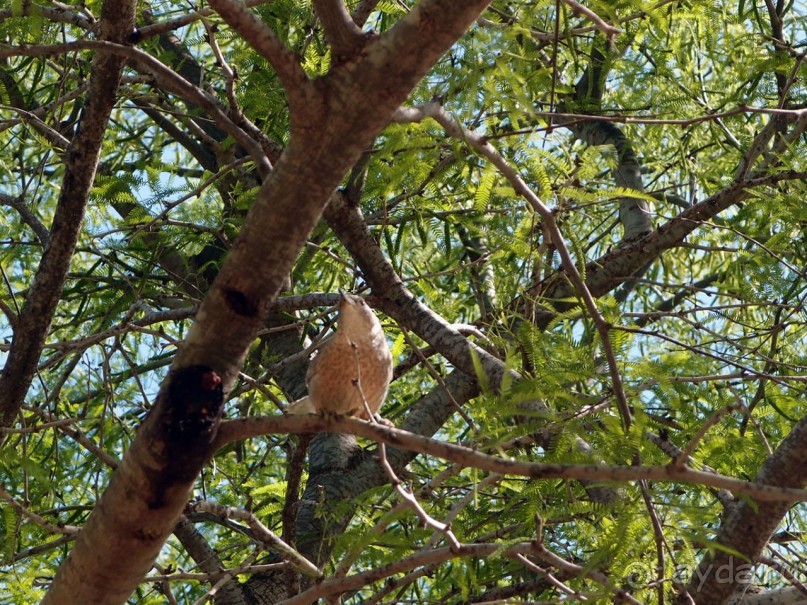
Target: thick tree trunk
[(330, 130)]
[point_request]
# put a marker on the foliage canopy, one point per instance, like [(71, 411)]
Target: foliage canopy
[(584, 232)]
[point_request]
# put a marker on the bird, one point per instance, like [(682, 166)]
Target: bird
[(351, 367)]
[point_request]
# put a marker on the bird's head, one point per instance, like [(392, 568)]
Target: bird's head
[(355, 316)]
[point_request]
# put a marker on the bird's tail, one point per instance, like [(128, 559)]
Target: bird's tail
[(301, 406)]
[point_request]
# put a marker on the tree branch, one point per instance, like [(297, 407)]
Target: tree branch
[(263, 533), (156, 29), (611, 269), (33, 323), (150, 488), (397, 301), (166, 77), (254, 31), (749, 526), (336, 586), (343, 34), (484, 148), (244, 428), (27, 216)]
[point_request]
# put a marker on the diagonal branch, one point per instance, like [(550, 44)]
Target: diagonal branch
[(343, 34), (271, 540), (33, 323), (162, 27), (148, 492), (261, 37), (336, 586), (609, 30), (244, 428), (749, 526), (363, 11), (398, 302), (484, 148), (611, 269), (27, 215), (169, 79)]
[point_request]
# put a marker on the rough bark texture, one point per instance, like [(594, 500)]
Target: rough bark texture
[(400, 303), (749, 526), (33, 323), (148, 492), (634, 214), (612, 269), (331, 128)]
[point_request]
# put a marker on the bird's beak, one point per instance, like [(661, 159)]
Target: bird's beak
[(343, 295)]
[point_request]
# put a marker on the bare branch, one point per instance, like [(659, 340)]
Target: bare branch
[(329, 588), (608, 271), (609, 30), (578, 570), (484, 148), (171, 80), (244, 428), (32, 325), (266, 535), (68, 530), (344, 35), (362, 12), (155, 29), (57, 14), (28, 217), (56, 139), (265, 41), (686, 453)]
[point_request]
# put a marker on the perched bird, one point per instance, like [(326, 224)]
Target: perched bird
[(354, 362)]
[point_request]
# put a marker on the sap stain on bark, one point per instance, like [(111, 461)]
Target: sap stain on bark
[(240, 303), (190, 419), (196, 397)]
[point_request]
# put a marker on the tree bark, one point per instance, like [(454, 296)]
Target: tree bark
[(330, 131), (33, 323)]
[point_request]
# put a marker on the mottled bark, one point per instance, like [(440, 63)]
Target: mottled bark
[(634, 213), (750, 525), (329, 133), (34, 320)]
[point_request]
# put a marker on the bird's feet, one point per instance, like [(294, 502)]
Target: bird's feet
[(383, 421)]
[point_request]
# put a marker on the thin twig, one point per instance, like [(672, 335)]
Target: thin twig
[(166, 77), (690, 448), (577, 570), (226, 577), (549, 577), (483, 147), (261, 37), (609, 30), (266, 535), (407, 496), (244, 428), (67, 530)]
